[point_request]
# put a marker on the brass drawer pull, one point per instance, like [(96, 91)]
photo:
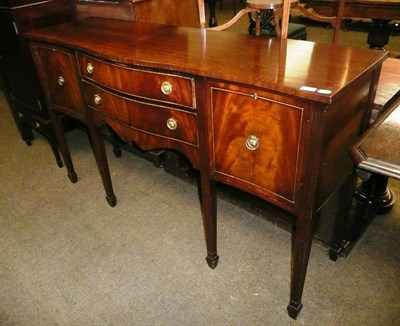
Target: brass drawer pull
[(172, 124), (20, 115), (37, 125), (61, 81), (252, 143), (97, 99), (166, 88), (89, 68)]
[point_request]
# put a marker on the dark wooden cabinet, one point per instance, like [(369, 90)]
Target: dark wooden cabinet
[(21, 84)]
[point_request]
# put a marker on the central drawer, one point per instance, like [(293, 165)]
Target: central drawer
[(154, 119), (168, 88)]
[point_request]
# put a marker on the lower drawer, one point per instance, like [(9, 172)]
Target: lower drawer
[(155, 119)]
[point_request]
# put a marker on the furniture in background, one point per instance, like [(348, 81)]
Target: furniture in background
[(372, 194), (117, 9), (271, 11), (170, 12), (380, 11), (221, 3), (21, 84), (212, 4), (281, 14), (377, 152), (272, 126), (296, 31)]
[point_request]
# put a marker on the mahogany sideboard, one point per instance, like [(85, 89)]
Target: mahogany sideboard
[(278, 125)]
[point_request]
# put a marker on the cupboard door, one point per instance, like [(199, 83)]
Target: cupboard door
[(59, 76), (256, 142)]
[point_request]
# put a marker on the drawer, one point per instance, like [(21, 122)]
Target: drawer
[(58, 70), (158, 86), (256, 141), (159, 120), (32, 121)]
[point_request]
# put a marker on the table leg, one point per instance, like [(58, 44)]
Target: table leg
[(62, 142), (375, 192), (102, 163), (258, 23), (339, 242), (51, 138), (208, 204), (378, 35), (213, 19), (301, 247)]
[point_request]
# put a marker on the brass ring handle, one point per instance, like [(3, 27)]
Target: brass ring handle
[(252, 143), (97, 99), (61, 80), (172, 124), (166, 88), (90, 68)]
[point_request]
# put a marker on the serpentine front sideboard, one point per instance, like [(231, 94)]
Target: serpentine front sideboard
[(271, 117)]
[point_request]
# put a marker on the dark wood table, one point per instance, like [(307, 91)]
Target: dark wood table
[(278, 126), (377, 151), (380, 11), (373, 196)]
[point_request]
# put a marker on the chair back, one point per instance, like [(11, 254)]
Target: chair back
[(335, 21), (282, 22), (285, 18)]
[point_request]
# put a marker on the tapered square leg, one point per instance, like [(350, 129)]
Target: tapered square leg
[(209, 208), (102, 164)]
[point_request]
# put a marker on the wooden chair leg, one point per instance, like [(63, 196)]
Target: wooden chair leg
[(258, 22)]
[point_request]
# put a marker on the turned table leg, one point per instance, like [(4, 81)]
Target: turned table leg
[(378, 34), (375, 192), (213, 19)]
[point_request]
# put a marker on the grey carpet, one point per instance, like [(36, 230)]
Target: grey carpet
[(67, 258)]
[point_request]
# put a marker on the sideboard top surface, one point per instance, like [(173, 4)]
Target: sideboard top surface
[(278, 65)]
